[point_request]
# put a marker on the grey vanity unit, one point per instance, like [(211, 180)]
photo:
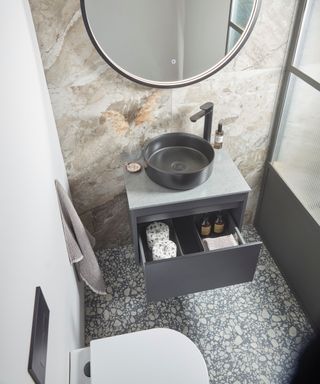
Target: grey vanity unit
[(194, 269)]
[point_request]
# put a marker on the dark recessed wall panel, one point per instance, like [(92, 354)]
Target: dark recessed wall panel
[(293, 238), (39, 339)]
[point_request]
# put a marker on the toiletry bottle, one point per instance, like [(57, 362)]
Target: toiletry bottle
[(205, 226), (218, 226), (218, 137)]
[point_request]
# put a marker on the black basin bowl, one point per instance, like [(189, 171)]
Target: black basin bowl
[(178, 160)]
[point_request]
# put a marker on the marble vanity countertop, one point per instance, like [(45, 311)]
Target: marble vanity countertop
[(225, 179)]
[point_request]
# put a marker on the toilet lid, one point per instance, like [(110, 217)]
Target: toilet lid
[(154, 356)]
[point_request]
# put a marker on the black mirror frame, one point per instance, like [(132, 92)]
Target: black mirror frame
[(179, 83)]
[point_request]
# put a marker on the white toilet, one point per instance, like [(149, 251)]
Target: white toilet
[(154, 356)]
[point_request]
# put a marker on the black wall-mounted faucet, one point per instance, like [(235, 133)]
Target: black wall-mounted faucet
[(207, 112)]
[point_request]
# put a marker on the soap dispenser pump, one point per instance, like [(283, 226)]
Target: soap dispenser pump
[(218, 137)]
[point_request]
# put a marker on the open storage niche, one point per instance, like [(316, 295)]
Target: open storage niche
[(187, 231)]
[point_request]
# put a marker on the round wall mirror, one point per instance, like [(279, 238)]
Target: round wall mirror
[(168, 43)]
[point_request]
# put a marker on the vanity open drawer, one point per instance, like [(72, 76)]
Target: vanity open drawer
[(195, 269)]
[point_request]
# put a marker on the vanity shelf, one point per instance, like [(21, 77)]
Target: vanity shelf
[(194, 269)]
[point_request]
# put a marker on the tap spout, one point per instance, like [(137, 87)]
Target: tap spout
[(207, 112)]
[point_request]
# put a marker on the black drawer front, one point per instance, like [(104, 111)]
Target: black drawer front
[(201, 271)]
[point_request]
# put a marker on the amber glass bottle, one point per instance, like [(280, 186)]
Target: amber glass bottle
[(205, 226), (218, 226)]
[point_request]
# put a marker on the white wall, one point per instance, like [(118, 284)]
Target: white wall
[(32, 247)]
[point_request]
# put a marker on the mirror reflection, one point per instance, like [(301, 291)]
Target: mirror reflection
[(167, 40)]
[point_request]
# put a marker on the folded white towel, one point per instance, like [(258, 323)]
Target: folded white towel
[(219, 242), (79, 241), (164, 250)]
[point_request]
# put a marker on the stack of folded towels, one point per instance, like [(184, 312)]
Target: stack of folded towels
[(158, 241)]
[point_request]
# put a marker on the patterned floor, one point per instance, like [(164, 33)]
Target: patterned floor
[(248, 334)]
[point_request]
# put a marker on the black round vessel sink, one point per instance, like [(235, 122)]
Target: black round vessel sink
[(178, 160)]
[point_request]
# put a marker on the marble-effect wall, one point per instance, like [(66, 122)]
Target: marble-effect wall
[(103, 119)]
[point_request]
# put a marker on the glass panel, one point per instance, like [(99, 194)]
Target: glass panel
[(308, 52), (297, 157), (234, 36), (240, 12)]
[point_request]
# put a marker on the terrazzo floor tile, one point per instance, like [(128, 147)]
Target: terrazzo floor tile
[(249, 333)]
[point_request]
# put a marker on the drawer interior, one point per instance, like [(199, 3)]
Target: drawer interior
[(185, 232), (196, 269)]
